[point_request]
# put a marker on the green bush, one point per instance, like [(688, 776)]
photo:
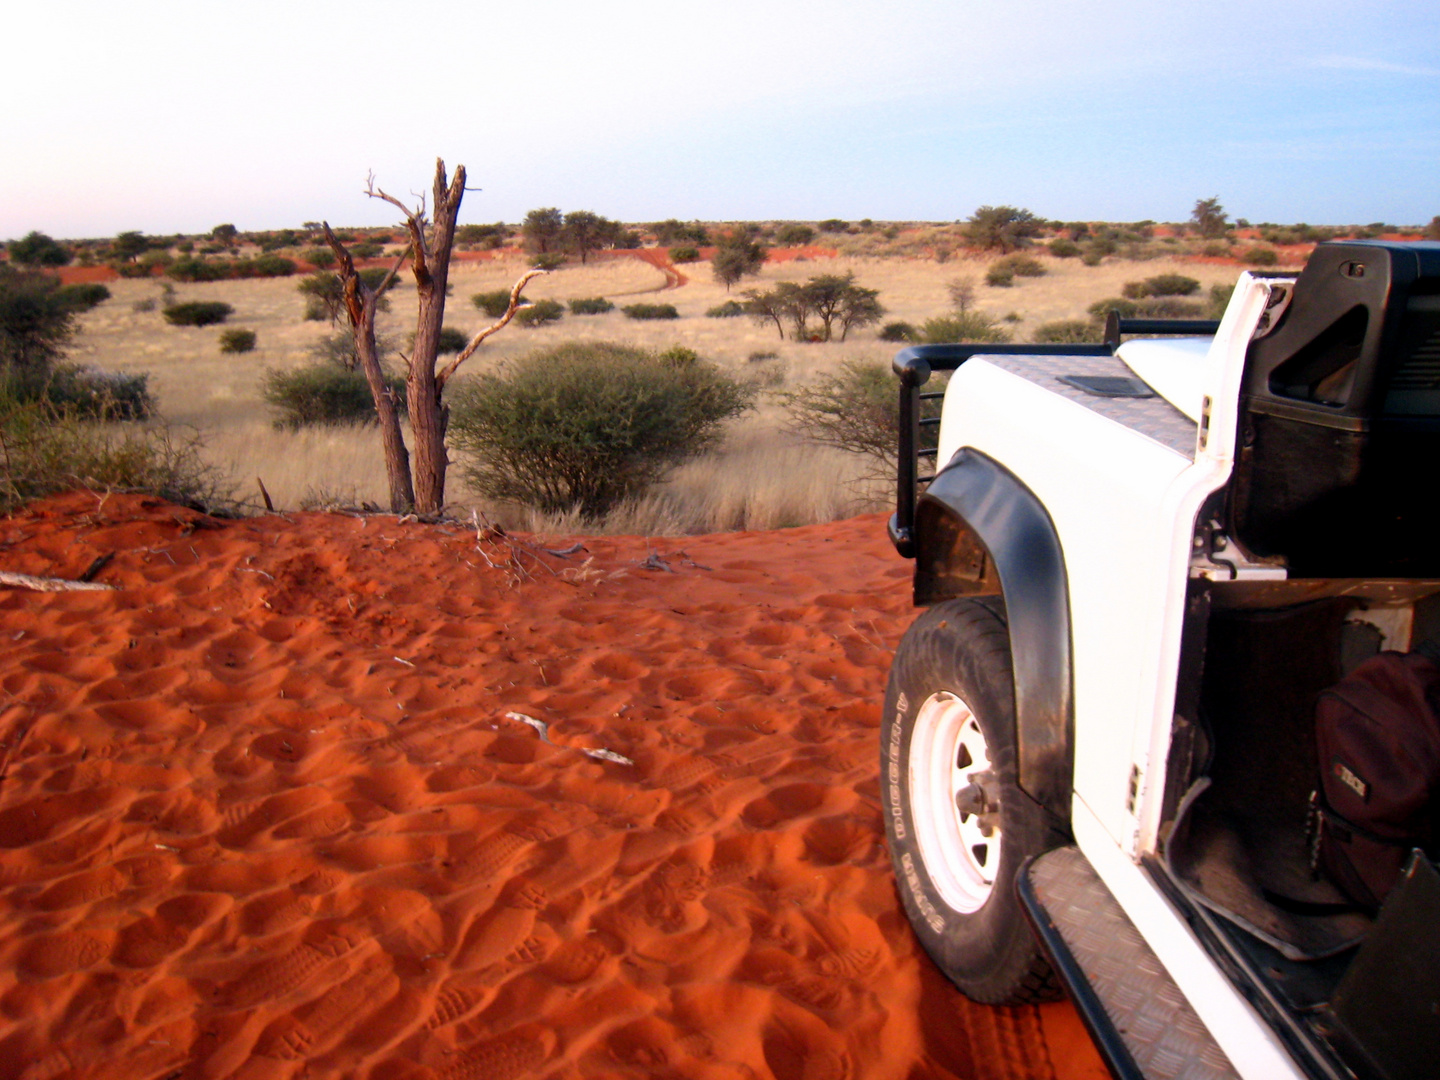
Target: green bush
[(452, 340), (1019, 266), (794, 235), (1069, 332), (587, 425), (494, 304), (1259, 256), (549, 260), (320, 258), (835, 225), (1063, 248), (540, 313), (728, 310), (49, 449), (651, 311), (857, 409), (192, 269), (1002, 277), (899, 331), (1216, 249), (1171, 285), (1127, 309), (237, 341), (323, 394), (963, 326), (367, 250), (595, 305), (37, 249), (684, 254), (80, 392), (198, 313), (82, 297), (1219, 300), (1170, 307), (270, 266)]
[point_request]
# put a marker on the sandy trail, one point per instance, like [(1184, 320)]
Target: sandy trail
[(264, 811)]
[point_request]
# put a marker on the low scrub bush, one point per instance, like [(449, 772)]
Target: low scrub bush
[(493, 304), (684, 254), (549, 260), (728, 310), (1219, 300), (1063, 248), (857, 409), (1069, 332), (237, 341), (50, 449), (1125, 308), (899, 331), (82, 297), (193, 269), (198, 313), (1216, 249), (1000, 276), (320, 258), (1019, 265), (1162, 285), (1260, 256), (323, 394), (651, 311), (1170, 307), (794, 235), (452, 340), (540, 313), (595, 305), (585, 426), (367, 249), (966, 326), (80, 392)]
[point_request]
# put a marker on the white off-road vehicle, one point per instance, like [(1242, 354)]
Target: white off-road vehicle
[(1141, 563)]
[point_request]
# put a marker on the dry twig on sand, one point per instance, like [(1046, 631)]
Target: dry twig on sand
[(50, 584)]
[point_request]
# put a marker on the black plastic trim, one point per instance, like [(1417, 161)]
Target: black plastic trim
[(1021, 541), (914, 366), (1093, 1015), (1115, 327)]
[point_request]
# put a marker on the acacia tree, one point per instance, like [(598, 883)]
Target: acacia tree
[(37, 249), (1002, 228), (421, 489), (541, 229), (584, 232), (737, 256), (1210, 218)]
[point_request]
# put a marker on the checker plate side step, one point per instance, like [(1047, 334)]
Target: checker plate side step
[(1142, 1024)]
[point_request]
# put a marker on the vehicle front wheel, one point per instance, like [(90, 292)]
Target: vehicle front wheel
[(958, 824)]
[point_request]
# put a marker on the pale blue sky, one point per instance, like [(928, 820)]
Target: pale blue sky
[(174, 116)]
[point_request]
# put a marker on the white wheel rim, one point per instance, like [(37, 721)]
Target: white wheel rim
[(947, 749)]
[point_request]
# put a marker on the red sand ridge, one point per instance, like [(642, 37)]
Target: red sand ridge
[(326, 796)]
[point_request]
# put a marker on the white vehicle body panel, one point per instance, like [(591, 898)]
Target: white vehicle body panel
[(1128, 547)]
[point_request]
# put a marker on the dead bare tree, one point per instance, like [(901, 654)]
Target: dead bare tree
[(420, 489)]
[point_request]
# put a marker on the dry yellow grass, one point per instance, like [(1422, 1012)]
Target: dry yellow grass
[(762, 478)]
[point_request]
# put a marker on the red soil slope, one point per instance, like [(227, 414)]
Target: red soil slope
[(272, 809)]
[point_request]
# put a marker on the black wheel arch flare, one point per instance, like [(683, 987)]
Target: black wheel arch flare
[(980, 531)]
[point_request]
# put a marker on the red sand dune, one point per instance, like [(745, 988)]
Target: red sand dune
[(265, 810)]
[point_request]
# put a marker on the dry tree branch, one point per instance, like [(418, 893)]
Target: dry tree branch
[(494, 327), (50, 584), (414, 224)]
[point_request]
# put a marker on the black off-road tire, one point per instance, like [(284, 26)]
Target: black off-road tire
[(961, 648)]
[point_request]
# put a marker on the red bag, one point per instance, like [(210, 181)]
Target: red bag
[(1378, 738)]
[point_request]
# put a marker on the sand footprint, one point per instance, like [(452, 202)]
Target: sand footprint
[(510, 1056)]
